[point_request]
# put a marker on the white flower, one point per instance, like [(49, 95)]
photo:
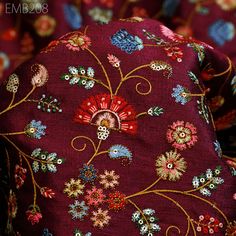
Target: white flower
[(195, 182), (149, 211), (205, 192), (208, 174), (144, 229), (155, 227), (136, 216)]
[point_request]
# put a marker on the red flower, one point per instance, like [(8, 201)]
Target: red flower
[(114, 113), (34, 216), (116, 201), (20, 176), (175, 53), (95, 196), (47, 192)]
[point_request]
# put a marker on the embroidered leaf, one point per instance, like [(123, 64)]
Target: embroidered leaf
[(153, 37), (45, 161), (48, 104), (233, 84), (155, 111), (200, 51), (193, 77), (210, 180), (162, 66), (148, 225), (203, 110)]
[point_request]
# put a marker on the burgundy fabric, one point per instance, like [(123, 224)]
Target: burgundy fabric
[(148, 117)]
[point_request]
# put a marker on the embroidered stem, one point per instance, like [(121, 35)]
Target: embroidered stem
[(96, 152), (18, 103), (11, 134), (141, 212), (121, 81), (171, 227), (228, 70), (84, 146), (12, 99), (136, 69), (103, 69), (141, 114)]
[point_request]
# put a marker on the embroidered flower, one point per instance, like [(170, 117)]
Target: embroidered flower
[(74, 188), (170, 34), (181, 95), (47, 192), (208, 224), (221, 32), (76, 42), (119, 152), (170, 166), (109, 179), (33, 215), (126, 42), (72, 16), (45, 25), (35, 129), (95, 196), (100, 218), (231, 229), (12, 205), (114, 61), (12, 83), (218, 148), (116, 201), (182, 135), (175, 53), (155, 111), (20, 176), (40, 75), (78, 210), (103, 111), (148, 225), (88, 173), (162, 66), (100, 15), (226, 5), (102, 132)]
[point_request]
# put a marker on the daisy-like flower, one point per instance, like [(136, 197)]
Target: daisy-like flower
[(116, 201), (114, 61), (109, 179), (231, 229), (78, 210), (182, 135), (170, 166), (73, 188), (35, 129), (95, 196), (45, 25), (88, 173), (181, 95), (100, 218), (77, 42)]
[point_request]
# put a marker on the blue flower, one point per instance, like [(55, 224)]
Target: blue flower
[(78, 210), (72, 15), (88, 173), (221, 32), (181, 95), (169, 7), (35, 129), (126, 42), (46, 233), (119, 151), (5, 59), (218, 148)]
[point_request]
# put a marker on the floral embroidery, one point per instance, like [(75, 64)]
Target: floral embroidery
[(155, 111), (40, 75), (233, 84), (46, 232), (13, 83), (119, 151), (199, 49), (35, 129), (20, 176), (114, 113), (116, 201), (47, 192), (45, 161), (79, 233), (181, 95), (218, 148), (12, 205), (146, 221), (45, 25), (74, 188), (126, 42), (231, 229), (208, 180), (78, 210), (72, 16), (80, 76), (100, 218), (95, 197), (33, 214), (208, 224), (109, 179), (226, 5), (170, 166), (175, 53), (88, 173), (162, 66), (114, 61), (100, 15), (182, 135)]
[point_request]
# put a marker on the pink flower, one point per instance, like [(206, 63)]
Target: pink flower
[(182, 135), (114, 61), (34, 216), (95, 196)]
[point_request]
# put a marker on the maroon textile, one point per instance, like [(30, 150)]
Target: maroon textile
[(108, 131)]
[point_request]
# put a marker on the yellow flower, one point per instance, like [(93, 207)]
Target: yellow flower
[(73, 188)]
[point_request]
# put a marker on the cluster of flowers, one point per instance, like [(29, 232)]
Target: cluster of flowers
[(80, 76), (49, 104)]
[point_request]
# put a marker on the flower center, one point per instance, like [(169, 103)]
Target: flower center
[(182, 134), (170, 165)]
